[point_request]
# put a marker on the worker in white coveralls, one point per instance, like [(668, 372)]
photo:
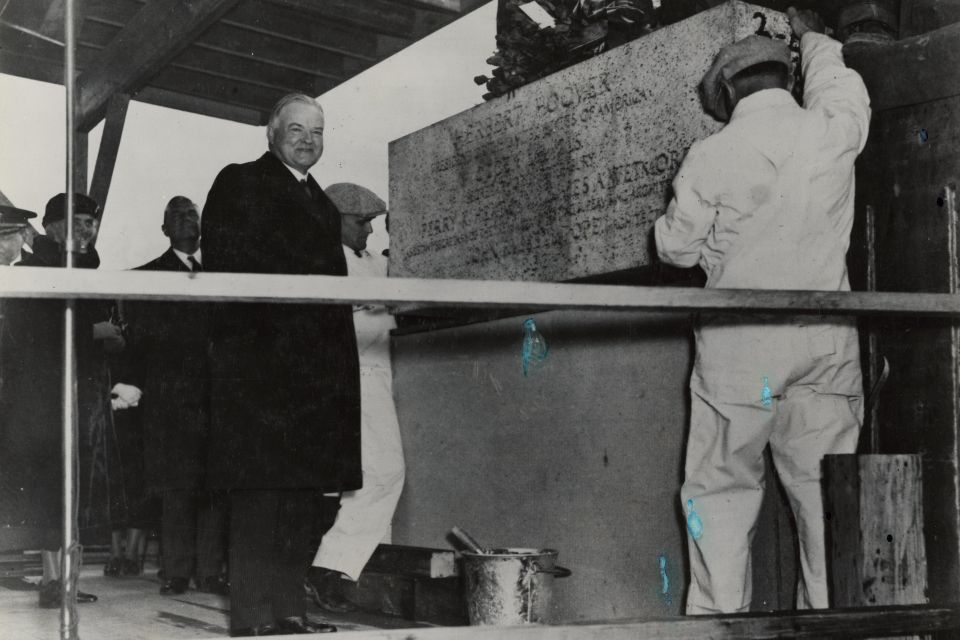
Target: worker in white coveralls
[(363, 520), (767, 203)]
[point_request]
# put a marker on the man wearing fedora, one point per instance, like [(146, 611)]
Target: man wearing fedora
[(767, 203)]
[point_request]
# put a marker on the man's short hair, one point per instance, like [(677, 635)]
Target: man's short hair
[(283, 102), (179, 203)]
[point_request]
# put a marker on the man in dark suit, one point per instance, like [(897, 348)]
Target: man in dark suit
[(168, 352), (285, 397)]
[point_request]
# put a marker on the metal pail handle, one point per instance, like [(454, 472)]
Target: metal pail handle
[(556, 572)]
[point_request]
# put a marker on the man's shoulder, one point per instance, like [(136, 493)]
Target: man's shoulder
[(167, 261)]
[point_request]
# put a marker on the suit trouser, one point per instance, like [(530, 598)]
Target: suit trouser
[(724, 484), (193, 532), (365, 514), (270, 534)]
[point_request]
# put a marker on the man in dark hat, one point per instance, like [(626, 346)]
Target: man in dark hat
[(767, 203), (31, 404), (13, 225)]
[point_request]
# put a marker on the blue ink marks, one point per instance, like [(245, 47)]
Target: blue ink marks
[(664, 579), (765, 397), (923, 136), (534, 348), (694, 523)]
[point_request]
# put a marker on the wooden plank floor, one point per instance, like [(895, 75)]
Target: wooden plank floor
[(133, 609)]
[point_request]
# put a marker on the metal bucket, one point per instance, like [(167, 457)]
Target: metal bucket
[(510, 586)]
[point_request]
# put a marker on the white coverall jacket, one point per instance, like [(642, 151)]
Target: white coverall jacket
[(767, 203), (364, 517)]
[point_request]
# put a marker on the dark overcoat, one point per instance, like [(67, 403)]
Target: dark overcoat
[(285, 388), (167, 358), (31, 407)]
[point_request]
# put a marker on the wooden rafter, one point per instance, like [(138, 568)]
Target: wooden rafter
[(109, 148), (155, 35)]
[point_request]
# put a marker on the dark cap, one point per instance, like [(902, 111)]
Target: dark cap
[(12, 215), (82, 205), (733, 59)]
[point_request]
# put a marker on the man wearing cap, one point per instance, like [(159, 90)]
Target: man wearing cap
[(285, 382), (31, 405), (767, 203), (13, 225), (363, 520)]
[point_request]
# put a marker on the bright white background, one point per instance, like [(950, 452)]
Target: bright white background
[(165, 152)]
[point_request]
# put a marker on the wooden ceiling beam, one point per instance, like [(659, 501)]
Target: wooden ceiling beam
[(379, 16), (203, 106), (155, 35)]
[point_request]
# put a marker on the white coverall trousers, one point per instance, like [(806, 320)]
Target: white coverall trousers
[(803, 420), (365, 514)]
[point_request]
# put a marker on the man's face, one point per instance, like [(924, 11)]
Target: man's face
[(298, 136), (354, 231), (182, 224), (85, 230), (10, 244)]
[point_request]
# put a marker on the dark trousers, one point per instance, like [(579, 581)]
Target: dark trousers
[(193, 532), (269, 554)]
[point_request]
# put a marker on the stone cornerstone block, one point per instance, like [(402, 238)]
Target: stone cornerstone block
[(563, 178)]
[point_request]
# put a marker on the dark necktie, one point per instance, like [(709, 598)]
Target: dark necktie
[(194, 264), (306, 188)]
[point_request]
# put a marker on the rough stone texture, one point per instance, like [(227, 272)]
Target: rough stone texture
[(563, 178)]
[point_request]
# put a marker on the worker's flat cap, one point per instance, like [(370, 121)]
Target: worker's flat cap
[(354, 200), (82, 205), (733, 59)]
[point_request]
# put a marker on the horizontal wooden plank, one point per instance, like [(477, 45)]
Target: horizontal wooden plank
[(38, 282), (876, 622), (415, 561), (203, 106)]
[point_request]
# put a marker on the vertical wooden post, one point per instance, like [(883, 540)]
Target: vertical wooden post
[(874, 510)]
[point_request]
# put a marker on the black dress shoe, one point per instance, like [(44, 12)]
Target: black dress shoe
[(113, 568), (174, 586), (302, 625), (214, 584), (51, 595), (325, 587), (263, 630)]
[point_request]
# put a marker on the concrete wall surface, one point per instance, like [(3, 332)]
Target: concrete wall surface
[(583, 455)]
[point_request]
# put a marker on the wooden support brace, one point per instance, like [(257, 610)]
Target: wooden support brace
[(874, 510), (155, 35), (109, 148)]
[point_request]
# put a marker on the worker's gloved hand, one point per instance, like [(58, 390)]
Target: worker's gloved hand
[(805, 20)]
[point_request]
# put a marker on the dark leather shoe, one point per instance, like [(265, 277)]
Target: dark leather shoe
[(113, 568), (51, 595), (263, 630), (302, 625), (325, 587), (214, 584), (130, 567), (174, 586)]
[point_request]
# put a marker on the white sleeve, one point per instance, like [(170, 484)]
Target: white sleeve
[(682, 230), (835, 90)]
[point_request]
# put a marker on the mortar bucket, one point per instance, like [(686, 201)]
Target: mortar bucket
[(510, 586)]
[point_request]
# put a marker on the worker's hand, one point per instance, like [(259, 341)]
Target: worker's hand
[(127, 394), (805, 20)]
